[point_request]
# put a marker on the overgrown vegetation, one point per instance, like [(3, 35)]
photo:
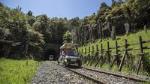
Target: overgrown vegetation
[(28, 36), (34, 33), (122, 17), (131, 64), (17, 71)]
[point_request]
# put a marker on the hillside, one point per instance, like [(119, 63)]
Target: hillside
[(132, 38)]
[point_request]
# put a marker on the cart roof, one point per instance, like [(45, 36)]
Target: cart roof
[(68, 46)]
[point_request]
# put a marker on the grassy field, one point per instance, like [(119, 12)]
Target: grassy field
[(17, 71), (132, 38)]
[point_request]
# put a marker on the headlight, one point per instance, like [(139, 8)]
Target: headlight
[(67, 57), (65, 60)]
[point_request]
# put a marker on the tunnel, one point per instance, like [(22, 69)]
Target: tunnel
[(49, 52)]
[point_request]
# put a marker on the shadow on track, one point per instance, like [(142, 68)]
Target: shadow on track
[(74, 67)]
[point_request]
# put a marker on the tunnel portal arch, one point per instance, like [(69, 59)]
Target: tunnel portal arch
[(51, 49)]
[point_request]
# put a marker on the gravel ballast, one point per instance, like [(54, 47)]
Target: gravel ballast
[(105, 78), (51, 73)]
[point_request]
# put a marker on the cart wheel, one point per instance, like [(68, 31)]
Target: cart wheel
[(58, 62), (79, 64)]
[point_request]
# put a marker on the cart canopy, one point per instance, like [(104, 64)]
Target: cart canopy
[(68, 46)]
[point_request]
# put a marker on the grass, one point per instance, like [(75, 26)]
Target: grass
[(17, 71), (132, 38)]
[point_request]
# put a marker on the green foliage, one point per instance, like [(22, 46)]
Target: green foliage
[(17, 27), (67, 37), (17, 71), (30, 18), (41, 30), (134, 12), (36, 32)]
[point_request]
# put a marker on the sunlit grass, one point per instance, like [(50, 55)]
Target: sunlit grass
[(132, 38), (17, 71)]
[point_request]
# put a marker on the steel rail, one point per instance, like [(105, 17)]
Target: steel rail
[(118, 75), (86, 76)]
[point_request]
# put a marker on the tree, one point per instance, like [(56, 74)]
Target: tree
[(14, 28), (41, 25), (1, 5), (30, 18), (67, 37), (4, 33)]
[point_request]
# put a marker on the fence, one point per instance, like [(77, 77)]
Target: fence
[(106, 56)]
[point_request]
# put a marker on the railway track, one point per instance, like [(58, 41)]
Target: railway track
[(135, 78), (73, 69), (87, 76), (103, 77)]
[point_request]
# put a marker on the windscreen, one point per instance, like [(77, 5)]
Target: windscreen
[(71, 53)]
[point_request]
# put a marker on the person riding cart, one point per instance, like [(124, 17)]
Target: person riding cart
[(69, 55)]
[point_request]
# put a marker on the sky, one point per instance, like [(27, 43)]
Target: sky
[(58, 8)]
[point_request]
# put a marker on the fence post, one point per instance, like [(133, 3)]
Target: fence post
[(89, 56), (92, 49), (116, 54), (97, 55), (84, 57), (101, 49), (97, 52), (108, 51), (89, 50), (85, 50), (116, 45), (126, 53), (101, 57), (97, 49), (82, 51), (141, 53), (92, 55)]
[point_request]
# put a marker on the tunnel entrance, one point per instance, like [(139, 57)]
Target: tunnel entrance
[(51, 49), (49, 52)]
